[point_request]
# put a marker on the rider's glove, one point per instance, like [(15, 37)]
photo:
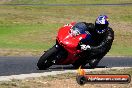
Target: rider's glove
[(85, 47)]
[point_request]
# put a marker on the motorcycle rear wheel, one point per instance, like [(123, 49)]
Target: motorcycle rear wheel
[(46, 60)]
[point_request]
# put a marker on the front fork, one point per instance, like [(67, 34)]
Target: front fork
[(61, 54)]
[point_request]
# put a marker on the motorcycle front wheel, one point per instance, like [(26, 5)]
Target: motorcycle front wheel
[(46, 60)]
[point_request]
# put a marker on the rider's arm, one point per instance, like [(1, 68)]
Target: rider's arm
[(105, 44)]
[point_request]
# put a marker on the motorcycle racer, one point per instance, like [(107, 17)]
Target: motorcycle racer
[(94, 48), (79, 43)]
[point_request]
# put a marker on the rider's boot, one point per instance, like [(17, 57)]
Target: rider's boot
[(93, 63)]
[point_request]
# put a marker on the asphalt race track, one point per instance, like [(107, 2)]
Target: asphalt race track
[(26, 65)]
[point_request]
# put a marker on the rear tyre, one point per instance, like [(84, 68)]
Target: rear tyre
[(46, 60)]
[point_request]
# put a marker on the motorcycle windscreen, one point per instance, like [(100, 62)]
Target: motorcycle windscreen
[(78, 28)]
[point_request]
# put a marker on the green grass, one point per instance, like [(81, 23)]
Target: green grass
[(40, 14), (35, 27), (120, 50), (65, 1), (27, 36)]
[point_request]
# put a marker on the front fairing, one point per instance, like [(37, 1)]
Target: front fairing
[(67, 40), (70, 43)]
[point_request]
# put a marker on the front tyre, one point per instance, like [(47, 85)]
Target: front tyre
[(46, 60)]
